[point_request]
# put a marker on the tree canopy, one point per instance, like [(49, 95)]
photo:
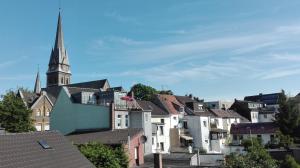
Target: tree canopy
[(288, 117), (256, 157), (289, 162), (14, 115), (144, 92), (104, 156)]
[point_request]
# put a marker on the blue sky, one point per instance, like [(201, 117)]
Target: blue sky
[(213, 49)]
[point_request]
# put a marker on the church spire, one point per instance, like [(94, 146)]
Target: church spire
[(59, 39), (58, 69), (37, 85)]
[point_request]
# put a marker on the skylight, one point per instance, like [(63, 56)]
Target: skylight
[(44, 144)]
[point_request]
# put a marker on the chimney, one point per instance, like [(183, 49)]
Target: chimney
[(157, 160)]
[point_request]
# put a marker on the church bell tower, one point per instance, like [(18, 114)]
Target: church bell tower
[(59, 72)]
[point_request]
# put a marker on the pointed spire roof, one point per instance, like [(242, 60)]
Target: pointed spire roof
[(59, 39), (37, 85), (58, 53)]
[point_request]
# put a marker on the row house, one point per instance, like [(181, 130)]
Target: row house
[(266, 132), (248, 109)]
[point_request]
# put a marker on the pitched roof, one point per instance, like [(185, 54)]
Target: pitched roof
[(185, 99), (256, 128), (118, 136), (28, 97), (149, 106), (98, 84), (269, 99), (225, 113), (168, 102), (24, 150), (90, 86)]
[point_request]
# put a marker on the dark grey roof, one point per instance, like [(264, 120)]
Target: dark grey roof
[(98, 84), (118, 136), (269, 99), (90, 86), (23, 150), (149, 106), (28, 97), (37, 85), (52, 92), (185, 99), (118, 88), (255, 128)]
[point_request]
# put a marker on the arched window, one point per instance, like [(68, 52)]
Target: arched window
[(62, 80)]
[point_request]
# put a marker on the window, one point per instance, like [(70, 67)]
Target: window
[(162, 146), (206, 140), (162, 121), (204, 123), (161, 128), (258, 136), (38, 126), (38, 113), (235, 137), (62, 80), (174, 118), (126, 121), (119, 121), (157, 145), (152, 141), (200, 106), (265, 116), (47, 113), (185, 125), (46, 127)]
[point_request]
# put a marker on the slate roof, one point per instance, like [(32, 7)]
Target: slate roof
[(98, 84), (256, 128), (28, 97), (269, 99), (149, 106), (118, 136), (23, 150), (93, 86)]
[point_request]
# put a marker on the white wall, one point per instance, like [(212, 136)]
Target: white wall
[(199, 132), (165, 138), (123, 119), (270, 117), (254, 116)]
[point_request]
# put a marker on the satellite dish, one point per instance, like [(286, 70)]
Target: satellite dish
[(143, 139)]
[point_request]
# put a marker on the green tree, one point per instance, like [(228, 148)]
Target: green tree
[(288, 117), (104, 156), (143, 92), (167, 92), (121, 156), (256, 157), (289, 162), (14, 115)]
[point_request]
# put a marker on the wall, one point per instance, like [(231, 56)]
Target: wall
[(198, 131), (66, 116), (142, 119), (42, 107), (135, 142), (123, 119), (269, 117), (165, 138)]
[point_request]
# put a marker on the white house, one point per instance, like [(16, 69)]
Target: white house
[(264, 131)]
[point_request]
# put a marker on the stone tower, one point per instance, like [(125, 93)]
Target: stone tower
[(59, 72)]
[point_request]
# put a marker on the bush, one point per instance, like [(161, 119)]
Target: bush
[(289, 162), (104, 156)]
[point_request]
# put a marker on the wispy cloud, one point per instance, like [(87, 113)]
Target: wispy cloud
[(121, 18), (9, 63), (286, 57)]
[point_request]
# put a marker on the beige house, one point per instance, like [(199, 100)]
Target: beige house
[(39, 103)]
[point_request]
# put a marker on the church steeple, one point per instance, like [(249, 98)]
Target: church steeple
[(59, 68), (37, 85)]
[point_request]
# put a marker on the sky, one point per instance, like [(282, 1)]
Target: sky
[(213, 49)]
